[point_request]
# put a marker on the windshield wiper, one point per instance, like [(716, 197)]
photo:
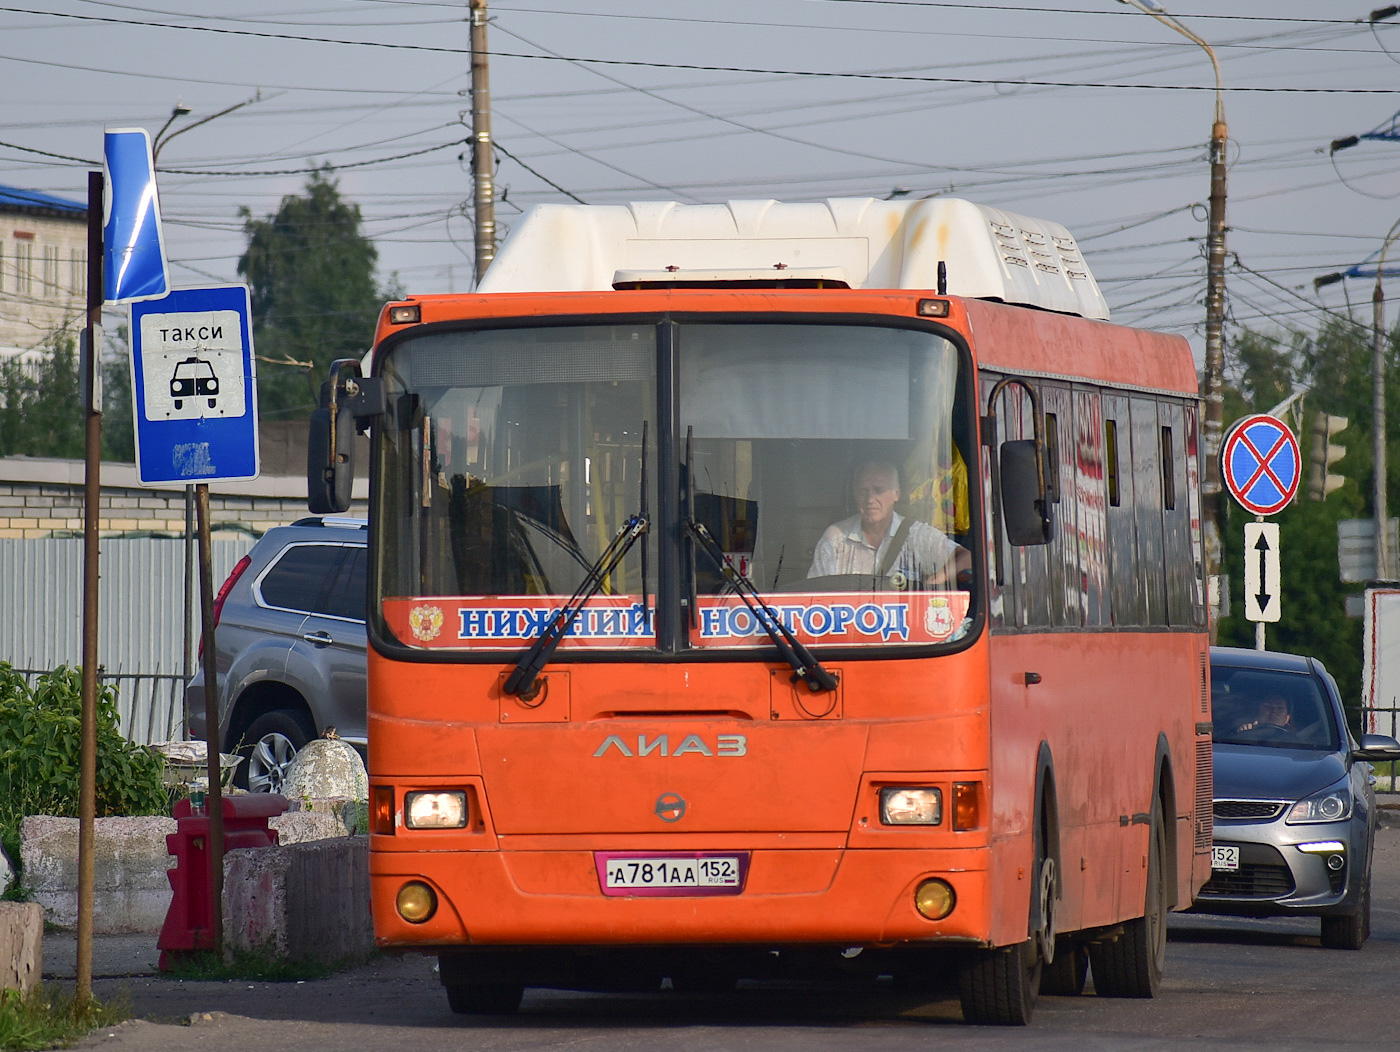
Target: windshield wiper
[(805, 667), (521, 682)]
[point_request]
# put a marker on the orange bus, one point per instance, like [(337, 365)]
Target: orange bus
[(780, 589)]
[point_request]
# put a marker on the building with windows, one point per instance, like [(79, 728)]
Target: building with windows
[(43, 270)]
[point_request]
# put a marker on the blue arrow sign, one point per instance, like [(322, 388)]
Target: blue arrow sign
[(194, 387), (134, 266), (1259, 464)]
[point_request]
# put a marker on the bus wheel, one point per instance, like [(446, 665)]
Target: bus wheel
[(1065, 975), (484, 998), (1131, 965)]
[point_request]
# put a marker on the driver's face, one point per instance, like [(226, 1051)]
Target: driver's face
[(876, 491), (1274, 711)]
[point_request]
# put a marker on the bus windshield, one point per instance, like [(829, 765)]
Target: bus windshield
[(828, 462)]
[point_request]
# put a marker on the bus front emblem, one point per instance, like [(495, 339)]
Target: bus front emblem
[(670, 807)]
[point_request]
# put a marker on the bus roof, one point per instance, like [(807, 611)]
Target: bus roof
[(860, 243)]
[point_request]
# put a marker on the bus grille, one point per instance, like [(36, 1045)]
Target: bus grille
[(1204, 786)]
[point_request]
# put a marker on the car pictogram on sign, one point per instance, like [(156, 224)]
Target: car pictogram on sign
[(194, 378)]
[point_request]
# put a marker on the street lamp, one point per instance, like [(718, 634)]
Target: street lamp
[(1213, 380), (178, 110), (181, 110)]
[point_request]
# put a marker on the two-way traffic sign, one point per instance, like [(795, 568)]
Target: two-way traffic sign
[(1262, 601)]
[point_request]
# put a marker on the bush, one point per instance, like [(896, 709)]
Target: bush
[(41, 748)]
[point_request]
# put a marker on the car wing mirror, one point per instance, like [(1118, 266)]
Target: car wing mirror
[(1377, 748)]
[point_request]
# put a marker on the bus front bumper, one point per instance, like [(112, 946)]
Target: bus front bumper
[(848, 896)]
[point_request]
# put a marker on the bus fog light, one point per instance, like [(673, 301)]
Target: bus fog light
[(1335, 862), (436, 810), (935, 899), (911, 807), (416, 902)]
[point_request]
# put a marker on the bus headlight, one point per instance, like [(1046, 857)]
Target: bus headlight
[(435, 810), (911, 807)]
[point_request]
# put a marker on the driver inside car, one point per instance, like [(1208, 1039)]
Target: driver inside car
[(879, 542), (1274, 712)]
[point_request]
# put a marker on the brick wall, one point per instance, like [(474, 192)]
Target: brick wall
[(44, 498)]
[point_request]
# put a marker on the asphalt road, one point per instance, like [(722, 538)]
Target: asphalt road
[(1230, 983)]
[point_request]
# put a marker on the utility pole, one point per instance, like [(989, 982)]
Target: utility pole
[(1213, 377), (1212, 382), (483, 156), (1378, 336)]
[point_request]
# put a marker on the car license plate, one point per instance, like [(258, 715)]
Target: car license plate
[(1225, 857), (693, 873)]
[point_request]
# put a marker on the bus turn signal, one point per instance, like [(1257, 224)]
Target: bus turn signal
[(966, 809)]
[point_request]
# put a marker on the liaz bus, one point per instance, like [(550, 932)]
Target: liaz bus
[(771, 589)]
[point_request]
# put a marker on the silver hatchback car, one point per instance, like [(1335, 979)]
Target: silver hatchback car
[(1295, 814), (290, 644)]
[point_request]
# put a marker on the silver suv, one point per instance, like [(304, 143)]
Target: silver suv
[(290, 641)]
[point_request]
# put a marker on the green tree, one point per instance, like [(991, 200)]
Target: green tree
[(41, 411), (311, 272), (41, 415)]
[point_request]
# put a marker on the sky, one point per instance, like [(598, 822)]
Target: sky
[(1089, 113)]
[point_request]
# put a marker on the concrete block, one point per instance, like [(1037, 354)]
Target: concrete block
[(300, 827), (22, 944), (131, 892), (306, 901)]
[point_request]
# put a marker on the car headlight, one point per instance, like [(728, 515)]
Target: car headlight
[(435, 810), (1330, 805)]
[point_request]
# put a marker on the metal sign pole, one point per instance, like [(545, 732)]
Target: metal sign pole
[(92, 490), (211, 724)]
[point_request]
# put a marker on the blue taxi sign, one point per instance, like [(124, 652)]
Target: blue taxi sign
[(1260, 464), (194, 387)]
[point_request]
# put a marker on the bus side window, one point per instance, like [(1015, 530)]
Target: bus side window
[(1168, 471), (1110, 431), (1052, 457)]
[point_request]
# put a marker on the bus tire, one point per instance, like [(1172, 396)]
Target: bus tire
[(484, 998), (1131, 965), (1065, 975), (999, 987)]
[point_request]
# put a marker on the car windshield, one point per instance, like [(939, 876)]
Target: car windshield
[(1270, 707)]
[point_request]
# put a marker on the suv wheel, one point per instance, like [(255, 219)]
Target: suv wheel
[(273, 740)]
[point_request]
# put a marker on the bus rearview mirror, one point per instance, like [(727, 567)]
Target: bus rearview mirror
[(330, 476), (1025, 509)]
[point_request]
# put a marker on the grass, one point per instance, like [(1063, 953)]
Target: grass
[(50, 1018), (260, 965)]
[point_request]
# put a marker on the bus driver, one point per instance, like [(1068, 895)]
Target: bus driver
[(878, 541)]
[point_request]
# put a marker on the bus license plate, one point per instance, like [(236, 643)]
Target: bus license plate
[(1225, 857), (698, 874)]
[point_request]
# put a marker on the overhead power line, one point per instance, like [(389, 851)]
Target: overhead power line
[(701, 68)]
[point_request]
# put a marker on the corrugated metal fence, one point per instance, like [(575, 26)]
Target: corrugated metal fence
[(140, 607)]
